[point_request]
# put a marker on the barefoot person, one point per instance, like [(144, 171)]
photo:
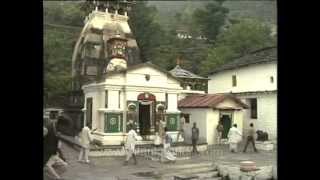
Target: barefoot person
[(195, 138), (167, 154), (132, 137), (55, 160), (219, 131), (85, 140), (250, 138), (234, 137)]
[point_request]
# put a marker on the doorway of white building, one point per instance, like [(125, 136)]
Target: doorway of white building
[(144, 118), (226, 120), (146, 113)]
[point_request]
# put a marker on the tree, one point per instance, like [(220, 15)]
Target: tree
[(210, 20), (148, 33), (61, 20), (240, 39)]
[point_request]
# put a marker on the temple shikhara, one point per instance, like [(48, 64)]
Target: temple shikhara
[(111, 91)]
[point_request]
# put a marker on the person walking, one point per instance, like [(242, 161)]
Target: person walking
[(219, 131), (50, 142), (85, 140), (194, 138), (250, 138), (132, 137), (53, 161), (162, 127), (234, 137), (181, 131)]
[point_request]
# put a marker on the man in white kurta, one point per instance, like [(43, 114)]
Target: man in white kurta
[(132, 137), (85, 139), (234, 137)]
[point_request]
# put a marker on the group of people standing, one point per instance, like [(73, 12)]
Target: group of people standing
[(235, 137)]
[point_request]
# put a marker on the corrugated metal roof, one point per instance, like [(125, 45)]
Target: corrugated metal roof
[(260, 56), (207, 101), (182, 73)]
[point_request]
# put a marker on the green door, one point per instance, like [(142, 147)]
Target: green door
[(226, 122)]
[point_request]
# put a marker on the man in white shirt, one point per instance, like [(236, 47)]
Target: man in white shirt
[(85, 139), (132, 137), (234, 137)]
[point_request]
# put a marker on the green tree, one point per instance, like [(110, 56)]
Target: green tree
[(210, 20), (240, 39), (148, 33), (62, 25)]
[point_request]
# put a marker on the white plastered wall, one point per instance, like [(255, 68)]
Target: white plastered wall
[(198, 116), (267, 114)]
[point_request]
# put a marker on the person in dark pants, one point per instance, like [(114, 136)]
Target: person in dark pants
[(250, 138), (50, 142), (195, 138)]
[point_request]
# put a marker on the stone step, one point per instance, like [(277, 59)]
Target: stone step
[(212, 178), (199, 176), (190, 172), (207, 174), (194, 165)]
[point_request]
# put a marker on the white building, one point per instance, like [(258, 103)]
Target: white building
[(207, 110), (253, 79), (143, 94)]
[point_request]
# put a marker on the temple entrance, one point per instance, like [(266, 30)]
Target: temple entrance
[(144, 119), (146, 115), (226, 119)]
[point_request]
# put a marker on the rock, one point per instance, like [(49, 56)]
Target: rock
[(234, 172), (275, 172), (222, 169), (246, 177), (265, 173)]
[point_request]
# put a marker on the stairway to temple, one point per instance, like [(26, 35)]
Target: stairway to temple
[(193, 171)]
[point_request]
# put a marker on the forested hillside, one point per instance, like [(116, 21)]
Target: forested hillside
[(154, 25)]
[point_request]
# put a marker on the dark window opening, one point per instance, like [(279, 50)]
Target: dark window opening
[(166, 100), (53, 115), (271, 79), (119, 99), (186, 118), (234, 81), (253, 108)]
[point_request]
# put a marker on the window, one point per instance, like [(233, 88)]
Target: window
[(53, 115), (271, 79), (106, 100), (253, 108), (119, 99), (186, 118), (166, 100), (234, 81), (89, 112)]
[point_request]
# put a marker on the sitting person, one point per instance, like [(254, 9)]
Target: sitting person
[(55, 160), (167, 154)]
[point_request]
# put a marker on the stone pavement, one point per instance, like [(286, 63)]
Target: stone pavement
[(111, 168)]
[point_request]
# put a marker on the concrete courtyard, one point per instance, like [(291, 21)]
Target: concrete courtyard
[(111, 168)]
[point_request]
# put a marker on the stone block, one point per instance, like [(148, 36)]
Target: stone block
[(266, 145), (265, 173)]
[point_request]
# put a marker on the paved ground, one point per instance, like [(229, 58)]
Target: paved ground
[(111, 168)]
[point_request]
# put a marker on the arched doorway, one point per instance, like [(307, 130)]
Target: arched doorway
[(147, 103)]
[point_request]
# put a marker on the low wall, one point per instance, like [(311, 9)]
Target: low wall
[(180, 150)]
